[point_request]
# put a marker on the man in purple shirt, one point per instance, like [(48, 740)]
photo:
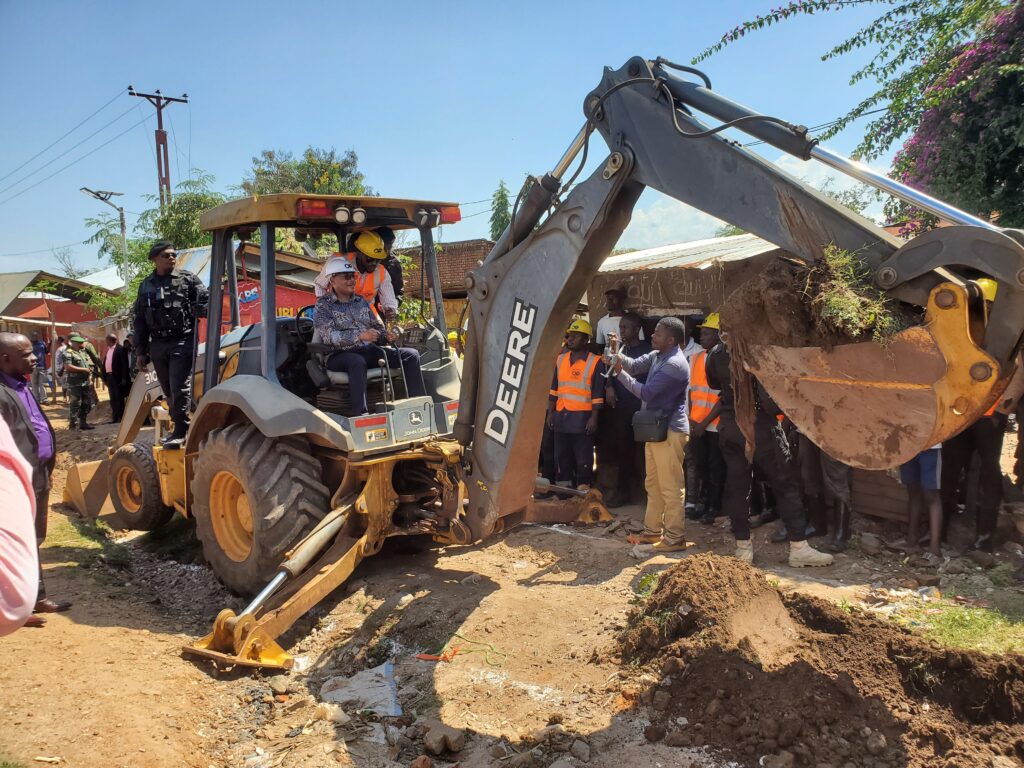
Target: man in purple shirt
[(668, 378), (34, 437)]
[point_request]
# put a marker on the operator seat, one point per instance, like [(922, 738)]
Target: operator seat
[(324, 378)]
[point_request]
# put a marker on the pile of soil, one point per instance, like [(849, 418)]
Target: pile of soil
[(756, 673)]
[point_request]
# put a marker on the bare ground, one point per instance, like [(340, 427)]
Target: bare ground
[(537, 615)]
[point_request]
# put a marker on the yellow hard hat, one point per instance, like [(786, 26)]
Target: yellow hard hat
[(370, 244), (712, 321), (579, 325), (988, 288), (453, 335)]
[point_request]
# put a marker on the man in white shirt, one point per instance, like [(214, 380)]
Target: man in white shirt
[(615, 299)]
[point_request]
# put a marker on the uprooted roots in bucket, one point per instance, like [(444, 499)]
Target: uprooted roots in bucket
[(790, 304), (756, 673)]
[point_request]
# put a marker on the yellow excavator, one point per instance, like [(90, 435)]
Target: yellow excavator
[(290, 492)]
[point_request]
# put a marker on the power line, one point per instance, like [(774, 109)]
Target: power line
[(829, 124), (41, 250), (190, 141), (65, 152), (73, 162), (62, 137), (177, 151)]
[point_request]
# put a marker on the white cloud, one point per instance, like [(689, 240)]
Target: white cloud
[(667, 221)]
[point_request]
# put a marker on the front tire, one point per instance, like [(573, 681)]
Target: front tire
[(135, 488), (254, 498)]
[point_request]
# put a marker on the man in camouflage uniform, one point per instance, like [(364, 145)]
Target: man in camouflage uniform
[(77, 366)]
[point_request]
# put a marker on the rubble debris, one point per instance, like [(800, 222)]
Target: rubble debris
[(280, 685), (440, 738), (371, 690)]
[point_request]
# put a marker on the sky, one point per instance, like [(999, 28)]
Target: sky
[(439, 100)]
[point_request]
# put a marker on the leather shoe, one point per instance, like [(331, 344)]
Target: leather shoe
[(36, 622), (46, 605)]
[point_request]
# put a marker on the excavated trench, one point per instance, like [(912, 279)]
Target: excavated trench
[(756, 673)]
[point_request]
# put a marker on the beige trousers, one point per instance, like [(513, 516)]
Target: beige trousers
[(666, 487)]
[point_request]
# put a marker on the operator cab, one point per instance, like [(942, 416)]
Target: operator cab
[(293, 355)]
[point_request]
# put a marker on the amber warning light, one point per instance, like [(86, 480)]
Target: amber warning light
[(314, 209), (451, 214)]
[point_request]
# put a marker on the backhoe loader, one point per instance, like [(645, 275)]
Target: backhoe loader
[(267, 457)]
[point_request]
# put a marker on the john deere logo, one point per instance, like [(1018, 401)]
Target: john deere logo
[(415, 419)]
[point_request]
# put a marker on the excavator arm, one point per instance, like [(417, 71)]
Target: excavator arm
[(864, 404)]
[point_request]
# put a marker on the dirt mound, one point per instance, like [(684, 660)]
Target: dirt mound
[(756, 673)]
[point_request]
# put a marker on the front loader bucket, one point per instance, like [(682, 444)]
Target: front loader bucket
[(88, 490), (877, 406)]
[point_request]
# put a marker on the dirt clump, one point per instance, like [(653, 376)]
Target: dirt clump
[(756, 673)]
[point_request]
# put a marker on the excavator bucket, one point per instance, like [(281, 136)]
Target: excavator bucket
[(88, 489), (877, 406)]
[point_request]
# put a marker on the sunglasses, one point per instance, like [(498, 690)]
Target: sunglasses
[(346, 275)]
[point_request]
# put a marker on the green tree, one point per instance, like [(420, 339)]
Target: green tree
[(317, 171), (729, 230), (501, 211), (178, 221), (968, 148), (912, 41)]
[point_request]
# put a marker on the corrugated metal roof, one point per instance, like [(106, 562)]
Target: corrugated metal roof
[(197, 260), (697, 254)]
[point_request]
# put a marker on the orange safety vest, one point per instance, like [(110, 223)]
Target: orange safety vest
[(576, 383), (702, 397), (368, 283)]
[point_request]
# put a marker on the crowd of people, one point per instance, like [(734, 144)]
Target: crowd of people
[(657, 419), (656, 416)]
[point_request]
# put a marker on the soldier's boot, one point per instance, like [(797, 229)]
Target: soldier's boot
[(745, 550), (803, 555), (840, 527)]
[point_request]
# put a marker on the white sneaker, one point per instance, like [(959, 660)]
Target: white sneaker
[(745, 550), (803, 555)]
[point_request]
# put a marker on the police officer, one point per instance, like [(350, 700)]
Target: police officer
[(167, 309)]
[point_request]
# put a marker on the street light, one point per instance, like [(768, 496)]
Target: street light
[(104, 197)]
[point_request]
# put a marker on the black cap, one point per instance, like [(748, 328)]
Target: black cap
[(159, 247)]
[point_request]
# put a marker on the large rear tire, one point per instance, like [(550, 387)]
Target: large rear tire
[(135, 488), (254, 497)]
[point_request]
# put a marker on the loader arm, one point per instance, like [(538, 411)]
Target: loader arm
[(524, 292)]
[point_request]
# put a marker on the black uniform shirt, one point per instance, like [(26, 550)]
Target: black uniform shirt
[(167, 307)]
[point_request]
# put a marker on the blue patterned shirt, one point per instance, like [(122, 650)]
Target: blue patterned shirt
[(339, 323)]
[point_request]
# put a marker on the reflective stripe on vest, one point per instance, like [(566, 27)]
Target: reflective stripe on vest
[(702, 397), (575, 383)]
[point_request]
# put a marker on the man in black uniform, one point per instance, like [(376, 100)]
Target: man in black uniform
[(768, 457), (167, 310), (391, 262)]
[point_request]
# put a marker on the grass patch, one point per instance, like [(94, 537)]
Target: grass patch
[(85, 543), (644, 586), (1003, 575), (4, 763), (966, 627), (845, 302)]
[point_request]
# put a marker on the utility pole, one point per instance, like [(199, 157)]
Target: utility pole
[(104, 197), (163, 167)]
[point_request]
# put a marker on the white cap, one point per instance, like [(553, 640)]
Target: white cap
[(338, 265)]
